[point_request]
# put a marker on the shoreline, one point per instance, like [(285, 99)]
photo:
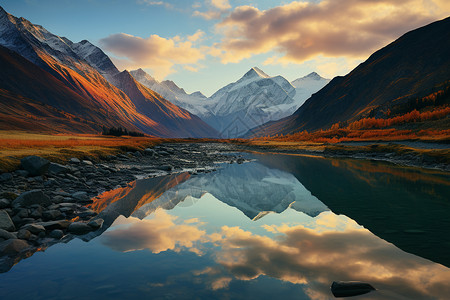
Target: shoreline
[(42, 206), (398, 154)]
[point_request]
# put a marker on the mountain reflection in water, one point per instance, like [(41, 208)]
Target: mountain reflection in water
[(255, 231)]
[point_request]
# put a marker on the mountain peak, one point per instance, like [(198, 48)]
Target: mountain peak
[(313, 75), (255, 72)]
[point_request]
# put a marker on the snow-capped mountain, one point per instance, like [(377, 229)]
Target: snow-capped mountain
[(255, 99), (194, 103), (255, 190), (306, 86)]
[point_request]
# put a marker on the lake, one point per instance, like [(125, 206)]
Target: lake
[(277, 227)]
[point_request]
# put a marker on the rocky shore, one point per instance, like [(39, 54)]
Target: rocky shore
[(44, 203), (409, 158)]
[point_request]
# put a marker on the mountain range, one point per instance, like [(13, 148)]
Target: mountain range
[(48, 83), (253, 100), (79, 82), (414, 65)]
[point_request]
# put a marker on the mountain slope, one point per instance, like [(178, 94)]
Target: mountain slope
[(413, 65), (194, 103), (82, 67), (172, 120), (252, 100), (27, 90)]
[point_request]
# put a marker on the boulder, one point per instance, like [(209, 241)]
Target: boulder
[(12, 246), (79, 228), (7, 235), (32, 197), (51, 225), (80, 196), (6, 177), (57, 169), (5, 221), (87, 162), (4, 203), (35, 165), (166, 168), (34, 228), (51, 214), (74, 160), (24, 234), (56, 234), (96, 223), (21, 173), (150, 152)]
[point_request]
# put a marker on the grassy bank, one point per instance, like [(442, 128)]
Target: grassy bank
[(15, 145)]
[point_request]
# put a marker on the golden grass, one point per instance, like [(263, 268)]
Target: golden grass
[(15, 145)]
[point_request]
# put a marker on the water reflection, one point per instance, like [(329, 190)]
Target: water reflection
[(256, 231), (406, 206)]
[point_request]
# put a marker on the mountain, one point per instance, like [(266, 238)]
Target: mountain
[(172, 119), (414, 65), (306, 86), (251, 101), (194, 103), (86, 70)]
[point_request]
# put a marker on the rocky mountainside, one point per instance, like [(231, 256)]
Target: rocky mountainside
[(251, 101), (86, 70), (414, 65), (194, 103)]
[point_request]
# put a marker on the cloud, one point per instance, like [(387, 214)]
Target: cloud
[(320, 255), (156, 3), (300, 31), (156, 53), (217, 9), (157, 235)]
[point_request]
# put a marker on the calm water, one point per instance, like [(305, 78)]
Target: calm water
[(279, 227)]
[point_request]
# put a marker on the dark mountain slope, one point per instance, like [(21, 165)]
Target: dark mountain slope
[(413, 65)]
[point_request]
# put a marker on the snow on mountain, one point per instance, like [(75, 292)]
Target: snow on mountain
[(195, 103), (272, 190), (306, 86), (254, 99)]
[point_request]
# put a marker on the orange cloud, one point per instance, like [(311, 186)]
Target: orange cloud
[(156, 53), (157, 234), (302, 30)]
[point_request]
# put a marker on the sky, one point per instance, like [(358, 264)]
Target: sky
[(206, 44)]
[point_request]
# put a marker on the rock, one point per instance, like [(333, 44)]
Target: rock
[(165, 153), (22, 213), (87, 214), (51, 225), (35, 165), (4, 203), (24, 234), (240, 160), (51, 214), (12, 246), (50, 182), (166, 167), (150, 152), (6, 177), (79, 228), (56, 234), (7, 235), (137, 154), (5, 221), (21, 173), (80, 196), (87, 162), (96, 223), (32, 197), (58, 199), (74, 160), (350, 288), (34, 228), (56, 169)]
